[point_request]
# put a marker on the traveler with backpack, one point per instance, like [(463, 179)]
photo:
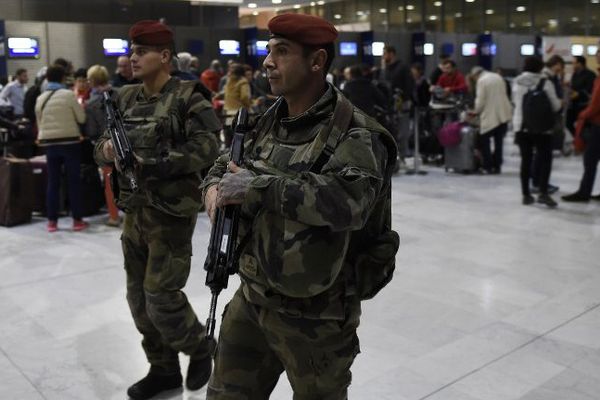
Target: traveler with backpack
[(535, 103), (315, 201)]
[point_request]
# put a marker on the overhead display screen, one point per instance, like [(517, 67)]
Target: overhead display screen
[(527, 49), (348, 49), (469, 49), (229, 47), (377, 48), (261, 48), (23, 47), (428, 49), (115, 47), (577, 49)]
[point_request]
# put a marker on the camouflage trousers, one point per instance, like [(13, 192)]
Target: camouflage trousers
[(157, 248), (257, 344)]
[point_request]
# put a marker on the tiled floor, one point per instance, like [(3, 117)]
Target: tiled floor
[(491, 301)]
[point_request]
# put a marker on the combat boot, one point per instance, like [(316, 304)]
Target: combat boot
[(200, 367), (153, 384)]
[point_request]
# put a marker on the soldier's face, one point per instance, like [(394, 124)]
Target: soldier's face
[(287, 67), (148, 61)]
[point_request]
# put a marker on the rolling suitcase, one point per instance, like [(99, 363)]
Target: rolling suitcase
[(16, 191), (92, 191), (461, 158)]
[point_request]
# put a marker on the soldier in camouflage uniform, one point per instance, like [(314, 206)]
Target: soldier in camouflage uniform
[(302, 215), (171, 127)]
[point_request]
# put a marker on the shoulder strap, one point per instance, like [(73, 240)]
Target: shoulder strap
[(540, 85), (337, 126), (46, 101)]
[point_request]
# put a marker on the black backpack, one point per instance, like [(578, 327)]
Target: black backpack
[(538, 115)]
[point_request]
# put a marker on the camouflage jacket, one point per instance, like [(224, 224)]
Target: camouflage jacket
[(300, 222), (174, 133)]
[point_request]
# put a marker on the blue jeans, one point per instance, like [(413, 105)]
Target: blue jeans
[(68, 155)]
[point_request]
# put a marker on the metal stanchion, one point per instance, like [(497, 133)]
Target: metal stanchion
[(416, 170)]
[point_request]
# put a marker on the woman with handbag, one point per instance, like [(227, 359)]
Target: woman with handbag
[(58, 117)]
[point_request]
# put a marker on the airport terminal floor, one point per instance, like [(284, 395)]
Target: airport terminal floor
[(491, 300)]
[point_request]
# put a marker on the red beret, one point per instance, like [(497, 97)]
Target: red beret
[(303, 28), (150, 33)]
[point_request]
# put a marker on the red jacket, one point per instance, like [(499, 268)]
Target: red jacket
[(456, 82), (210, 78), (590, 114)]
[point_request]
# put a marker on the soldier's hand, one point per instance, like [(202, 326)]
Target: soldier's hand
[(108, 150), (234, 186), (210, 202)]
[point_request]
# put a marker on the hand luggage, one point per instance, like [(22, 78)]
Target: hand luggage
[(461, 158), (92, 191), (16, 190)]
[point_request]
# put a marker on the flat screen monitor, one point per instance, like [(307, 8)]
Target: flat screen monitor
[(469, 49), (115, 47), (577, 49), (428, 49), (261, 47), (229, 47), (592, 50), (348, 49), (23, 47), (527, 49), (377, 48)]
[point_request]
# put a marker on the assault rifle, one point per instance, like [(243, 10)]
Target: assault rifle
[(221, 260), (125, 159)]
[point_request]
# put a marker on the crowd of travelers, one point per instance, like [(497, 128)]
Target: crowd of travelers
[(64, 106)]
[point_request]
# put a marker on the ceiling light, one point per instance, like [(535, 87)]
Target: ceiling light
[(251, 5), (489, 11), (595, 1), (575, 19), (458, 15), (433, 17), (320, 2), (410, 7), (401, 8), (276, 1), (437, 3), (337, 16), (312, 4), (360, 13), (296, 6), (383, 10), (470, 1), (553, 22), (521, 8), (409, 21), (255, 13)]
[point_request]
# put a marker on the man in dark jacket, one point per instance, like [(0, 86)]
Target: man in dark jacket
[(582, 84), (362, 93)]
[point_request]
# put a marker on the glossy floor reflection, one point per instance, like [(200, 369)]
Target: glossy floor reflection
[(492, 300)]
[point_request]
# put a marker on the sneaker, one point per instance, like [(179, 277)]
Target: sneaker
[(576, 198), (153, 384), (552, 189), (115, 223), (52, 226), (528, 200), (79, 225), (547, 200)]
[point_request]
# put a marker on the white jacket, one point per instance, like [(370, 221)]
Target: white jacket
[(521, 85), (492, 102), (58, 123)]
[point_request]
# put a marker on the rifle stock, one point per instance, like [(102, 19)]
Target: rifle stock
[(221, 260)]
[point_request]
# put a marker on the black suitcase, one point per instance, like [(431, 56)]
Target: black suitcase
[(16, 191), (92, 192)]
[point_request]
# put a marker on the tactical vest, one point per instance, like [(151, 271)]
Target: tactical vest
[(294, 263), (154, 127)]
